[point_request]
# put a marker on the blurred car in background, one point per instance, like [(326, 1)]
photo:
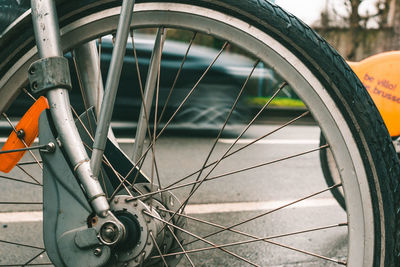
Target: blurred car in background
[(210, 102), (208, 105), (212, 99)]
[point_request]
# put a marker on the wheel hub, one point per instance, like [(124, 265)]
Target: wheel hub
[(138, 244), (146, 232)]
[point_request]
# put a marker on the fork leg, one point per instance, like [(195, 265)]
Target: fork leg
[(47, 37), (89, 73), (112, 82)]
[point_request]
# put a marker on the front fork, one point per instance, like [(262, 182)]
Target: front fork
[(47, 37)]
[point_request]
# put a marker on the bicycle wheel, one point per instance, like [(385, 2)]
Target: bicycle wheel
[(256, 199)]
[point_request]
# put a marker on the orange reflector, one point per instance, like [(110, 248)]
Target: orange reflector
[(29, 124), (380, 74)]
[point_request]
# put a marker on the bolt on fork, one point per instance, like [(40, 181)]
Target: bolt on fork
[(47, 37)]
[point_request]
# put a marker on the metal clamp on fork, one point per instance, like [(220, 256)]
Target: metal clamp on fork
[(41, 81)]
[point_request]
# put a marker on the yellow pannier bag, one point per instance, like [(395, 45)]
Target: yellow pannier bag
[(380, 74)]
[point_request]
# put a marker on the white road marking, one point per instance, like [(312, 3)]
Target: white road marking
[(228, 141), (36, 216), (20, 217), (255, 206), (272, 141), (126, 140)]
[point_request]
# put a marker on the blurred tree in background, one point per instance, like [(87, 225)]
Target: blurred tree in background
[(367, 26), (358, 13)]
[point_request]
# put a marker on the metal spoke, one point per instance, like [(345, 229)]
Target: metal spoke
[(28, 174), (28, 163), (265, 239), (29, 94), (171, 186), (248, 126), (20, 203), (20, 181), (91, 137), (40, 253), (104, 160), (81, 122), (177, 75), (275, 210), (153, 154), (142, 259), (146, 117), (241, 148), (179, 107), (223, 127), (21, 245), (143, 103), (83, 94), (87, 66), (24, 149), (255, 238), (116, 173), (225, 45), (119, 176), (229, 173), (194, 189), (161, 34), (150, 86), (270, 162), (180, 245), (270, 212), (308, 230), (158, 249), (22, 140), (202, 239), (124, 180)]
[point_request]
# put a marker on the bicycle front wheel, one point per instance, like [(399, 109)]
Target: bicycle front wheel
[(253, 193)]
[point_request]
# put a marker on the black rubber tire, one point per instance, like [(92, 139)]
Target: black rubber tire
[(357, 108)]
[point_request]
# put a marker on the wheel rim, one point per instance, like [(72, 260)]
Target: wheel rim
[(308, 88)]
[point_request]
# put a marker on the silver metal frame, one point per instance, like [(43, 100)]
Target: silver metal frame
[(110, 93), (88, 69), (87, 62), (48, 44), (148, 95)]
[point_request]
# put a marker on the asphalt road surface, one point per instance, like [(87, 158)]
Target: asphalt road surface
[(236, 197)]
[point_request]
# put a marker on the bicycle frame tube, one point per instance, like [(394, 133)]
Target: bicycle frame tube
[(149, 95), (45, 23), (89, 75), (110, 93)]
